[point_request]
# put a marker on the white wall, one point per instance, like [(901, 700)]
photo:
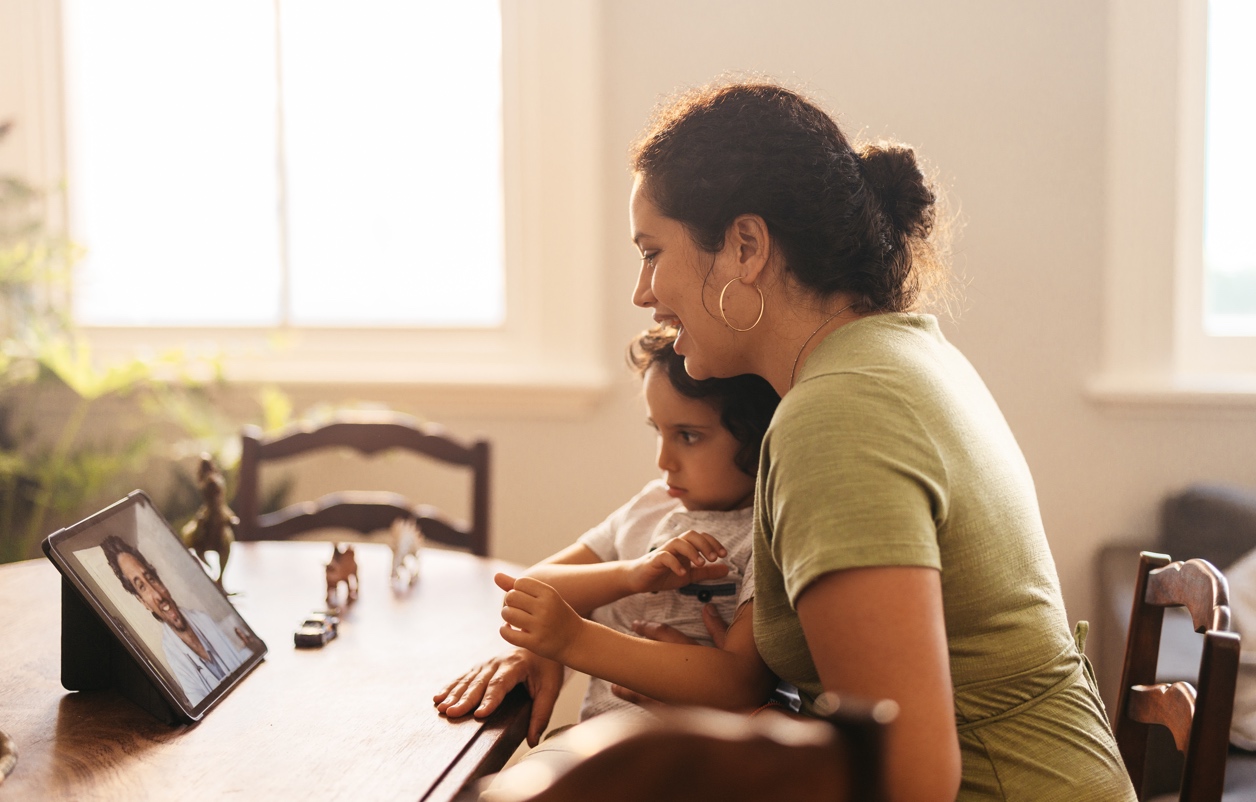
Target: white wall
[(1008, 101)]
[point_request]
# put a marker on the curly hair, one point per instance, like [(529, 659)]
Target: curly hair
[(745, 403), (114, 547), (854, 220)]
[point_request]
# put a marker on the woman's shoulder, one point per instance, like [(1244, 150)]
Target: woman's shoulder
[(879, 343), (865, 403), (885, 369), (848, 396)]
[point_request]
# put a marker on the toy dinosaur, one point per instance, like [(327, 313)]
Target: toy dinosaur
[(212, 529)]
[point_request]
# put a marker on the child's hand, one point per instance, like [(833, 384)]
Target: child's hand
[(536, 617), (681, 561)]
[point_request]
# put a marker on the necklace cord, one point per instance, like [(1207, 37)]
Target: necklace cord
[(793, 370)]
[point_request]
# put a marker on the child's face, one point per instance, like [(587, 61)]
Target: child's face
[(695, 450)]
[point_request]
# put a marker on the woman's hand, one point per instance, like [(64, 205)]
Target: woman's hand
[(537, 618), (691, 557), (480, 690)]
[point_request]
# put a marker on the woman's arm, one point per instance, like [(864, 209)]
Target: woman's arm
[(879, 633), (733, 677)]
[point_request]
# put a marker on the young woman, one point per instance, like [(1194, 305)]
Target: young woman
[(899, 551)]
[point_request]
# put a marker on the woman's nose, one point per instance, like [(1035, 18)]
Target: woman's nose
[(643, 294)]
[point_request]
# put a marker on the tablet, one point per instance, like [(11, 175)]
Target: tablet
[(133, 572)]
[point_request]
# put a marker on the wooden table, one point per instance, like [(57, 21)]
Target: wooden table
[(353, 720)]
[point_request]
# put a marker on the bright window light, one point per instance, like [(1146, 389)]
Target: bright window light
[(1229, 202), (313, 163)]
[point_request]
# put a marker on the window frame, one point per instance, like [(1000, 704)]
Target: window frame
[(549, 349), (1154, 347)]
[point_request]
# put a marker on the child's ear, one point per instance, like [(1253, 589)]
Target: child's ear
[(749, 244)]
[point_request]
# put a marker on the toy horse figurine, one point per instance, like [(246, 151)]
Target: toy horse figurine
[(213, 527), (342, 568), (404, 538)]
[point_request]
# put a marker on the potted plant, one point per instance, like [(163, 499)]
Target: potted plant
[(55, 464)]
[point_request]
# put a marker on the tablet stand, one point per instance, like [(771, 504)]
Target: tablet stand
[(93, 659)]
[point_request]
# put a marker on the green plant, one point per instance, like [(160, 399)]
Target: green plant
[(75, 434)]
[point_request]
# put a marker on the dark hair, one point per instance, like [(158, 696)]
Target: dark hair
[(845, 220), (745, 403), (115, 546)]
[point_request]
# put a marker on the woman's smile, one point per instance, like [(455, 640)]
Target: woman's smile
[(668, 277)]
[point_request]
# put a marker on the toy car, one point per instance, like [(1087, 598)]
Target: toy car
[(317, 629)]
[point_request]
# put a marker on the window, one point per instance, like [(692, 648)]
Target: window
[(309, 163), (544, 344), (1164, 341), (1230, 171)]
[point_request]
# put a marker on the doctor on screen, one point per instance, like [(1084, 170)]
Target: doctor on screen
[(199, 653)]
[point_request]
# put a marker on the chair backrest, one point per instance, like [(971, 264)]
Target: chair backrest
[(698, 753), (363, 511), (1198, 717)]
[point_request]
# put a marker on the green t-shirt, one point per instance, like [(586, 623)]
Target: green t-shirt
[(890, 450)]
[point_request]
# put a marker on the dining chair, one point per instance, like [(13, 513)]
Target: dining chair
[(363, 511), (1197, 716), (696, 754)]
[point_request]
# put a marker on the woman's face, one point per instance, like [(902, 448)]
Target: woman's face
[(674, 276)]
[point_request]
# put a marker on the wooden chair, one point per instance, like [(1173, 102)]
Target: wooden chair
[(1198, 717), (689, 755), (363, 511)]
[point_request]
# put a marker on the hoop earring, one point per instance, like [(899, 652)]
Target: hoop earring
[(725, 316)]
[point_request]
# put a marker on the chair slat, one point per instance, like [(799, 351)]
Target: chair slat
[(1171, 706), (367, 433), (368, 439), (360, 511), (1196, 585)]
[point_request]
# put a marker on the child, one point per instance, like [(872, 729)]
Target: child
[(684, 541)]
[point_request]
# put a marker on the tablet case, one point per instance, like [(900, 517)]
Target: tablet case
[(93, 659)]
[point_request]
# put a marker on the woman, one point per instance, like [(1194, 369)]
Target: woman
[(899, 550)]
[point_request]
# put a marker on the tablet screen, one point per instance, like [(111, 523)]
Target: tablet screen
[(134, 571)]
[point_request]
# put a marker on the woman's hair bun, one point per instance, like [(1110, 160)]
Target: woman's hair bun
[(902, 190)]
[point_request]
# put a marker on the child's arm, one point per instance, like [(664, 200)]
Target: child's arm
[(481, 689), (586, 583), (731, 678)]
